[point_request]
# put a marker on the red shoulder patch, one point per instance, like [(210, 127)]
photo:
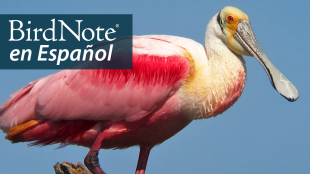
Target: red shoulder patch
[(147, 70)]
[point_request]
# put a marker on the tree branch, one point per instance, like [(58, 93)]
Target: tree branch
[(70, 168)]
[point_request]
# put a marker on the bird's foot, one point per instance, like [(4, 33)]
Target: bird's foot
[(91, 161), (70, 168)]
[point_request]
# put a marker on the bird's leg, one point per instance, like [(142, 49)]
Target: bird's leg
[(91, 160), (143, 156)]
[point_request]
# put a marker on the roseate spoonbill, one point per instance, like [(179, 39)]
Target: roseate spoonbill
[(174, 80)]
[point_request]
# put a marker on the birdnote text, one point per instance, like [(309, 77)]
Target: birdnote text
[(63, 54), (58, 41)]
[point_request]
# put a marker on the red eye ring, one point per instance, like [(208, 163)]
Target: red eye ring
[(230, 19)]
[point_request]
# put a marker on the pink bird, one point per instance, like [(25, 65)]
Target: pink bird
[(174, 80)]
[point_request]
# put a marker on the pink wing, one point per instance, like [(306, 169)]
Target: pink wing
[(159, 68)]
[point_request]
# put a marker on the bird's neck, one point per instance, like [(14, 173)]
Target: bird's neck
[(227, 74), (218, 81)]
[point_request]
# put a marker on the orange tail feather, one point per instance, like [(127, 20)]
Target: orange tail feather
[(19, 129)]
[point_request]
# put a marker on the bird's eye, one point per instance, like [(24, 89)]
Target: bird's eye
[(230, 19)]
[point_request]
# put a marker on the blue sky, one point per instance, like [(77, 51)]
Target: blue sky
[(261, 133)]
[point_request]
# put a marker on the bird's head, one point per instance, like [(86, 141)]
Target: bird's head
[(229, 19), (237, 34)]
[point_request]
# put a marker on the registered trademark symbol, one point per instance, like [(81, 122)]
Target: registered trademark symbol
[(117, 25)]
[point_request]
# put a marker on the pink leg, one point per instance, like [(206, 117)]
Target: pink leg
[(143, 156), (91, 160)]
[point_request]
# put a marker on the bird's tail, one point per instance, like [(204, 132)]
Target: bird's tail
[(47, 132), (20, 129)]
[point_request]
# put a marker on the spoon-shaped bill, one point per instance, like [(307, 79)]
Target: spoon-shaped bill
[(245, 36)]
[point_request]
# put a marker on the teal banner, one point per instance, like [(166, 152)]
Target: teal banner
[(66, 41)]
